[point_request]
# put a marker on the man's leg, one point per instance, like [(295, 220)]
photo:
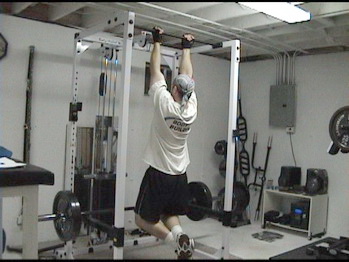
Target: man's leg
[(170, 221), (173, 224), (158, 229), (184, 244)]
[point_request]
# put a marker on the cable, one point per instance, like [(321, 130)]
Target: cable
[(294, 159)]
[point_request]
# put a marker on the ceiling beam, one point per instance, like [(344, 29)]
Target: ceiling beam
[(222, 11), (18, 7), (320, 11), (63, 9), (188, 7), (326, 9), (92, 18)]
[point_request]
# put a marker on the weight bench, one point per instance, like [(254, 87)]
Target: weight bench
[(24, 181)]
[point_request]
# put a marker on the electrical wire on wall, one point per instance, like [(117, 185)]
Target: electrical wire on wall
[(294, 159)]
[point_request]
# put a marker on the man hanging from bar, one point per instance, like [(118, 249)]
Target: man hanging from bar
[(164, 192)]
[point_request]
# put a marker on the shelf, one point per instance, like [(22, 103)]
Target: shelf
[(285, 193), (282, 201), (287, 227)]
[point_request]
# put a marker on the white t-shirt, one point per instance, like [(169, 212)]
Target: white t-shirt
[(167, 148)]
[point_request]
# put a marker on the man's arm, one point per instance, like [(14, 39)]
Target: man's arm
[(186, 65), (155, 60)]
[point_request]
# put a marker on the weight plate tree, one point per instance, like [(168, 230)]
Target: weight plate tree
[(339, 128)]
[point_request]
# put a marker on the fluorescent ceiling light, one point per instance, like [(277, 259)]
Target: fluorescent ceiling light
[(285, 11)]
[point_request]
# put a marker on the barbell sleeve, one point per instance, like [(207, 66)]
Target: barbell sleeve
[(49, 217)]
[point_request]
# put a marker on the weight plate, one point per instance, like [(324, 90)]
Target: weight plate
[(221, 147), (241, 198), (199, 195), (3, 240), (67, 226), (222, 167), (339, 128)]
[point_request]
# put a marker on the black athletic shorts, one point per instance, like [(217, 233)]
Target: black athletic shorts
[(162, 194)]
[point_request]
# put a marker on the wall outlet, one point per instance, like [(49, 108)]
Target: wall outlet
[(290, 130), (20, 220)]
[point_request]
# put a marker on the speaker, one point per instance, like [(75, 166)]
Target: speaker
[(317, 181), (290, 176)]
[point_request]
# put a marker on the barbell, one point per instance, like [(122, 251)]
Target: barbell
[(200, 203), (67, 215)]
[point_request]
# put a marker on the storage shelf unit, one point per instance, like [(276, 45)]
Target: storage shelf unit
[(281, 201)]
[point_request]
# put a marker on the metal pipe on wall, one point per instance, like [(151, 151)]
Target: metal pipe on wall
[(280, 69)]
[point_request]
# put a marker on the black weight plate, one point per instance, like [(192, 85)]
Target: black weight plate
[(68, 226), (222, 167), (241, 198), (339, 128), (199, 195), (220, 200), (221, 147)]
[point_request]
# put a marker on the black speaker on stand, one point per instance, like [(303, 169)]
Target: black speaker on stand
[(290, 177), (317, 181)]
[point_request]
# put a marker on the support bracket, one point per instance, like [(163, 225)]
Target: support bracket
[(74, 108)]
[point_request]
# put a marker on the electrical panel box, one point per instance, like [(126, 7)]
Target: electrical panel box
[(282, 109)]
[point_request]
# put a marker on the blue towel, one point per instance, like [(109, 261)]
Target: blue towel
[(5, 152)]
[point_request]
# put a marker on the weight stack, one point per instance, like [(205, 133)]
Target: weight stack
[(104, 198), (82, 191), (83, 166)]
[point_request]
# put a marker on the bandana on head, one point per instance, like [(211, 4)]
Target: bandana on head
[(186, 84)]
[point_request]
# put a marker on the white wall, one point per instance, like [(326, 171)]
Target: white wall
[(322, 87), (50, 100)]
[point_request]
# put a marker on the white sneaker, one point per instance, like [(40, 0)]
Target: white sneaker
[(185, 246)]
